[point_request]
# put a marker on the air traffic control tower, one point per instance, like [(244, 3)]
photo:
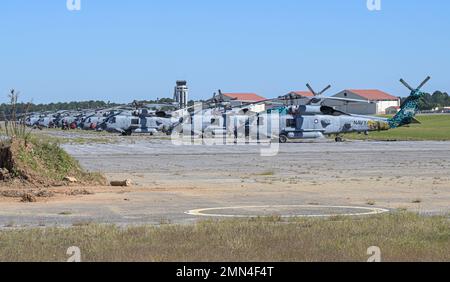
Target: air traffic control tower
[(181, 94)]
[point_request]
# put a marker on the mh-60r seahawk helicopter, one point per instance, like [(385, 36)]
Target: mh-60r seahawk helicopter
[(315, 120)]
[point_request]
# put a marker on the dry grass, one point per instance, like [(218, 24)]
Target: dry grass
[(266, 173), (401, 237), (33, 159), (371, 203), (13, 126), (5, 140), (43, 163), (432, 127)]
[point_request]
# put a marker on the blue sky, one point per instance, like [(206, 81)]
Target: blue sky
[(124, 50)]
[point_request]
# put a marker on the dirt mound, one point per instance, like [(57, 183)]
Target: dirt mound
[(41, 163), (29, 194), (28, 198), (6, 163)]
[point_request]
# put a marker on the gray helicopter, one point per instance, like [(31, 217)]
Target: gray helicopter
[(128, 122), (213, 117), (315, 120), (46, 121)]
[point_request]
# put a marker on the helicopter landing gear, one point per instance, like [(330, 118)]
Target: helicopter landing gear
[(127, 132), (339, 139), (283, 139)]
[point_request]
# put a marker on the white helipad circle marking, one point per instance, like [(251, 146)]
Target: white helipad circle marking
[(369, 211)]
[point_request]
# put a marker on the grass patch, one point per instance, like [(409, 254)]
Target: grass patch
[(5, 141), (83, 141), (401, 237), (80, 131), (432, 127), (89, 139), (41, 161), (35, 159), (266, 173), (371, 203)]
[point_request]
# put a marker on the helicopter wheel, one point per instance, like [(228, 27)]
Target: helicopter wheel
[(126, 133), (339, 139), (283, 139)]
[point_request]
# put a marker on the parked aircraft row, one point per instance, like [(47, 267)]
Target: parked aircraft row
[(216, 117), (124, 120)]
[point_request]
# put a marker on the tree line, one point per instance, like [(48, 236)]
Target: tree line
[(431, 101), (21, 108), (428, 102)]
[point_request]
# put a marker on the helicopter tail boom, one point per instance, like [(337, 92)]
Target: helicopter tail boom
[(409, 108)]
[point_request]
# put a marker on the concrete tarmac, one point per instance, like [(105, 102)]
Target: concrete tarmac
[(172, 180)]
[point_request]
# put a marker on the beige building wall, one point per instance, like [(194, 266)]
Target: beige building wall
[(373, 108), (258, 108), (383, 105)]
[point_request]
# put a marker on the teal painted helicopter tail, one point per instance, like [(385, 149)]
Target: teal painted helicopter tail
[(409, 108)]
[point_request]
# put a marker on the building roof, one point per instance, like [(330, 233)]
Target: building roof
[(302, 93), (245, 97), (373, 94)]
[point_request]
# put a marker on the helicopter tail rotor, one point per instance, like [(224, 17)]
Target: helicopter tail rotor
[(419, 87), (410, 106), (406, 84), (424, 82)]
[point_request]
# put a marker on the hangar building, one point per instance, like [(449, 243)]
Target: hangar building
[(380, 102), (239, 99)]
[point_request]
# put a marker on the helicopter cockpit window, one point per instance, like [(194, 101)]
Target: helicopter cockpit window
[(135, 121), (290, 123), (215, 121)]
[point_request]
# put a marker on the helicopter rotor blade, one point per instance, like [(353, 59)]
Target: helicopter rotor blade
[(406, 84), (424, 82), (347, 100), (325, 89), (311, 89)]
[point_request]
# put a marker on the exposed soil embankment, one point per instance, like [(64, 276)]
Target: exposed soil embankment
[(37, 163), (5, 160)]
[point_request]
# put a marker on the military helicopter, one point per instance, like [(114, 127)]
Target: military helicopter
[(128, 121), (32, 119), (216, 117), (46, 121), (315, 120)]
